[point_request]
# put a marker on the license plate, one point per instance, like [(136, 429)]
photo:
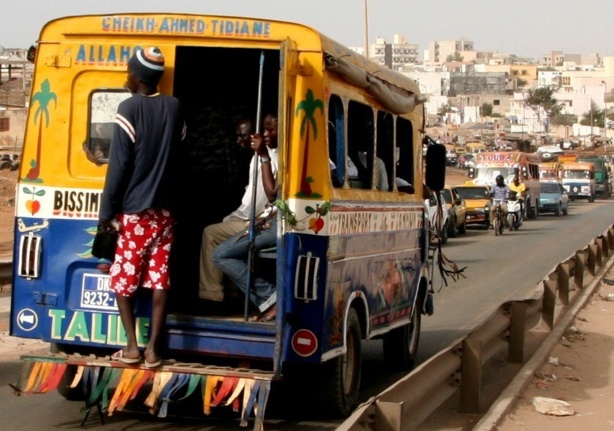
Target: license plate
[(96, 294)]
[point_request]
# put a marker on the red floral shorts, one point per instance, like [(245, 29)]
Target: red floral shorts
[(143, 252)]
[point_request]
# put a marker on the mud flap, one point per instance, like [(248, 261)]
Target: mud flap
[(246, 390)]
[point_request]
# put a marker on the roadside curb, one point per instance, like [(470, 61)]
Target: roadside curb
[(509, 396)]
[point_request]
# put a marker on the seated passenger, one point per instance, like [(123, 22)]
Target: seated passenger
[(231, 256), (211, 277)]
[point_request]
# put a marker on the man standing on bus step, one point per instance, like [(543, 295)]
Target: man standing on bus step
[(138, 193), (211, 287)]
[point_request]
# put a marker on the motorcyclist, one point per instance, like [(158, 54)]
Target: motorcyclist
[(521, 191), (500, 191)]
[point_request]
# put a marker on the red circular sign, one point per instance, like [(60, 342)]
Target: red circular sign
[(304, 342)]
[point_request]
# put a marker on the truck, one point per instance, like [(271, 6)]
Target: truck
[(578, 179), (603, 173)]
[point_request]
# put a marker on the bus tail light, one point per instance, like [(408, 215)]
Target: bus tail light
[(30, 248), (306, 278)]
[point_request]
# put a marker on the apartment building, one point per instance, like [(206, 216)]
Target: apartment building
[(440, 51), (395, 55)]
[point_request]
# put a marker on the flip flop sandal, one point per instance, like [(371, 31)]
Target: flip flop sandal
[(153, 364), (119, 356)]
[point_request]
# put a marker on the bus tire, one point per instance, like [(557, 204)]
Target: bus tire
[(64, 389), (401, 344), (341, 375)]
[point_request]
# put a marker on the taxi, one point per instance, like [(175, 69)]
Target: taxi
[(457, 211), (477, 200)]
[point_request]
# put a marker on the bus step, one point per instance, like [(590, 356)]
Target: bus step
[(245, 389)]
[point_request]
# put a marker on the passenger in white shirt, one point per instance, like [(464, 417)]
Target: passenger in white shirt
[(210, 284)]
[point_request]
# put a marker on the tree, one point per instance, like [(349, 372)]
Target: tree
[(443, 110), (455, 57), (542, 100), (520, 82), (564, 119), (593, 118), (486, 109)]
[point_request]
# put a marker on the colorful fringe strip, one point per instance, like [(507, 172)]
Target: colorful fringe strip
[(166, 387)]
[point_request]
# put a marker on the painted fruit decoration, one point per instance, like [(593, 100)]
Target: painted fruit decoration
[(33, 205), (316, 224)]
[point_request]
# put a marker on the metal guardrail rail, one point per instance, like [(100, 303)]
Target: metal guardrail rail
[(459, 367)]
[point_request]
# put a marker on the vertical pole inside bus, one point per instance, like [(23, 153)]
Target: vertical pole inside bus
[(252, 217)]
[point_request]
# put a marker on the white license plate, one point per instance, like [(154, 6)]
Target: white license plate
[(96, 294)]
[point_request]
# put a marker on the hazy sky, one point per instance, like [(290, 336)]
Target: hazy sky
[(522, 27)]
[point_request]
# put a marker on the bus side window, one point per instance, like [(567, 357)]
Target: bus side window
[(102, 110), (404, 156), (336, 141), (385, 149), (360, 144)]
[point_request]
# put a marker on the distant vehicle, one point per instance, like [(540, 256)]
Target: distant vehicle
[(475, 147), (550, 171), (548, 152), (457, 212), (568, 145), (460, 150), (579, 180), (477, 199), (451, 155), (553, 198), (602, 173), (465, 161), (9, 162), (437, 218)]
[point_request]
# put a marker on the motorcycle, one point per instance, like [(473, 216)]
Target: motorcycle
[(514, 212)]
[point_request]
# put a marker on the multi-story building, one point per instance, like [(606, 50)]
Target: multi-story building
[(395, 55), (558, 58), (440, 51)]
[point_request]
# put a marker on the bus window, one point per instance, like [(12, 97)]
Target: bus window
[(404, 154), (385, 148), (336, 141), (103, 107), (360, 144)]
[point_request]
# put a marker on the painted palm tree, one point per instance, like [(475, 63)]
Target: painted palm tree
[(309, 106), (43, 98)]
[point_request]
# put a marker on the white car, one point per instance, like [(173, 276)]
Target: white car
[(434, 216)]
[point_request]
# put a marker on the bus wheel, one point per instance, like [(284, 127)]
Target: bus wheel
[(401, 344), (341, 375), (64, 389)]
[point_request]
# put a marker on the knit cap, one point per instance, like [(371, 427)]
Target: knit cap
[(147, 65)]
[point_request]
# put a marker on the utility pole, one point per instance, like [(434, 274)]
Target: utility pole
[(366, 29), (605, 110)]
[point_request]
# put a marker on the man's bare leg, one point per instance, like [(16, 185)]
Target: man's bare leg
[(124, 304), (158, 319)]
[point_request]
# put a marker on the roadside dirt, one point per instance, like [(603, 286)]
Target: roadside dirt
[(579, 371), (8, 180)]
